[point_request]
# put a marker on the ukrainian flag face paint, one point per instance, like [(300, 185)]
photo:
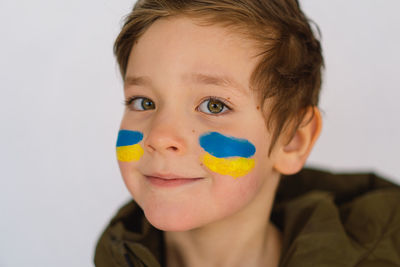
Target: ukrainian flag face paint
[(128, 148), (227, 155)]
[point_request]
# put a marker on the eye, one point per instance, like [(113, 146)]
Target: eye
[(140, 103), (213, 105)]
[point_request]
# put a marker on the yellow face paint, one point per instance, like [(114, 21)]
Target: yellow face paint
[(128, 148), (227, 155), (234, 167), (129, 153)]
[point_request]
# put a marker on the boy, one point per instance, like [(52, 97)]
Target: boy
[(221, 103)]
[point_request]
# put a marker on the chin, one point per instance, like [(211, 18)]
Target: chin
[(174, 220)]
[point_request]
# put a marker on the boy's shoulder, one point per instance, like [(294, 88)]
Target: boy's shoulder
[(326, 219), (342, 186), (345, 219)]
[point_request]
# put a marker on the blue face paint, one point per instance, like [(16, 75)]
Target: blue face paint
[(227, 155), (128, 138), (128, 148), (222, 146)]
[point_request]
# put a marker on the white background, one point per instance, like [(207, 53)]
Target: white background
[(61, 103)]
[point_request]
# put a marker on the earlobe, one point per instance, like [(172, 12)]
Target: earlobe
[(292, 156)]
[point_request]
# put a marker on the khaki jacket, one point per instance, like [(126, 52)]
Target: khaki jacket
[(326, 220)]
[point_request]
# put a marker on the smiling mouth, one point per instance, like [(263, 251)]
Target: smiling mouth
[(170, 182)]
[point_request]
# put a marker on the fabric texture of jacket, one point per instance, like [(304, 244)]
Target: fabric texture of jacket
[(327, 220)]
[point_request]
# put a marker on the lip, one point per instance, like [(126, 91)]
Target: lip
[(170, 180)]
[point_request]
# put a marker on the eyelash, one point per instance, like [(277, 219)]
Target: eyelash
[(128, 102)]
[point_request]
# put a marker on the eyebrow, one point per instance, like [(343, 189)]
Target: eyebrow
[(194, 77), (137, 81)]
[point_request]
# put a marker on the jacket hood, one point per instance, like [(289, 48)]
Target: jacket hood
[(326, 219)]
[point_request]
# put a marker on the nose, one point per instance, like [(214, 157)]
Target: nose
[(166, 136)]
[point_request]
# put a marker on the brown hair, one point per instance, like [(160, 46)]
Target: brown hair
[(289, 69)]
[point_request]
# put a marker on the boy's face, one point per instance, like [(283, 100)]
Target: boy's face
[(182, 115)]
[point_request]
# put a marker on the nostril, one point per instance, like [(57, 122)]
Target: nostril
[(173, 148)]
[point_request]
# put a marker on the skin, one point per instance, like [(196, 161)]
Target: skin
[(217, 220)]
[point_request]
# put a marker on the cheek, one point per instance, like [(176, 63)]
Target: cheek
[(126, 168), (235, 167), (128, 148), (126, 171), (129, 153), (227, 155), (130, 175), (231, 195)]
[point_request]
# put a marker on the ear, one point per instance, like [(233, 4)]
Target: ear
[(292, 156)]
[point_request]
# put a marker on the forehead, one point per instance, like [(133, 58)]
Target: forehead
[(178, 47)]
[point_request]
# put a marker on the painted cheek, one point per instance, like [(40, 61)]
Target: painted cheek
[(227, 155), (128, 148)]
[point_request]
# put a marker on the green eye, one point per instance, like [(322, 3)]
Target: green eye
[(148, 104), (213, 106), (141, 103)]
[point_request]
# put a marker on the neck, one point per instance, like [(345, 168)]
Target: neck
[(246, 238)]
